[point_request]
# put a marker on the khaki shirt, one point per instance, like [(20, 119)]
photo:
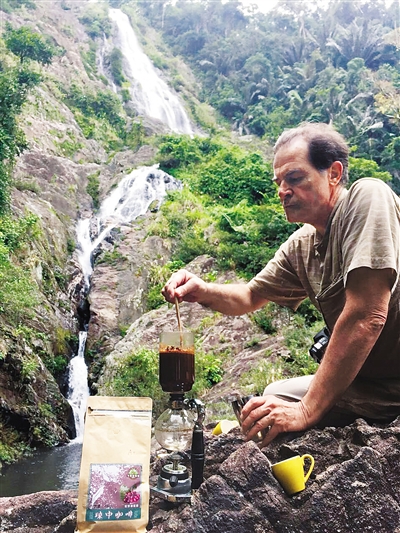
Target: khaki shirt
[(363, 231)]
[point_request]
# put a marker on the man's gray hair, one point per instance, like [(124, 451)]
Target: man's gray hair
[(325, 145)]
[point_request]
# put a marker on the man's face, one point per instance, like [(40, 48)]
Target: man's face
[(307, 195)]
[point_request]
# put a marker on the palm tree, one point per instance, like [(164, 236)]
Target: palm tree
[(365, 39)]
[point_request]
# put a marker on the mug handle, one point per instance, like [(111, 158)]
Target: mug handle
[(311, 458)]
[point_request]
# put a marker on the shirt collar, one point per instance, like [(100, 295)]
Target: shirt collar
[(321, 242)]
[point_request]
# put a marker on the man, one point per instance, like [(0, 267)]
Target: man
[(346, 258)]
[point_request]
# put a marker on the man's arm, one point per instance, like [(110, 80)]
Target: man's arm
[(354, 335), (230, 299)]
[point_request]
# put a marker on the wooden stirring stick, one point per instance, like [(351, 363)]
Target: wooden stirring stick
[(178, 316)]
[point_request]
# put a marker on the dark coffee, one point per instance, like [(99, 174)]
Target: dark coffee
[(176, 372)]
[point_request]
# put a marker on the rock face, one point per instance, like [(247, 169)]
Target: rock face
[(44, 512), (354, 488)]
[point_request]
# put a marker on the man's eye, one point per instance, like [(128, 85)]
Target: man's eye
[(293, 180)]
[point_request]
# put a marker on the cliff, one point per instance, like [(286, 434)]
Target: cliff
[(51, 181)]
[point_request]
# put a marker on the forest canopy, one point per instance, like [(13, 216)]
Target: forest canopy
[(333, 62)]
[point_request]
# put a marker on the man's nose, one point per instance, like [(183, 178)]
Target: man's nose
[(284, 191)]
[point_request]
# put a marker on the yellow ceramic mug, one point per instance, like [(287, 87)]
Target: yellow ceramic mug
[(290, 473)]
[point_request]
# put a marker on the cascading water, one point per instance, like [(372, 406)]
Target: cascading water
[(130, 199), (78, 390), (150, 93)]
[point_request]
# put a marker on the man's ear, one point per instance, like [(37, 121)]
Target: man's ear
[(335, 172)]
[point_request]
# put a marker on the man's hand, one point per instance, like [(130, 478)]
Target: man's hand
[(231, 298), (274, 415), (185, 286)]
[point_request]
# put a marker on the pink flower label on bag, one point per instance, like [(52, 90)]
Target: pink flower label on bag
[(114, 492)]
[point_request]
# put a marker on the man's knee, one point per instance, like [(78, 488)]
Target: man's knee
[(292, 389)]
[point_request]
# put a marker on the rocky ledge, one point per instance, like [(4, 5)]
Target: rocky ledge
[(354, 488)]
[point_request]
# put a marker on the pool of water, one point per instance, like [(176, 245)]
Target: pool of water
[(54, 469)]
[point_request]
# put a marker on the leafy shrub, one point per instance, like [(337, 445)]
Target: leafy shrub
[(11, 447), (208, 371), (366, 168), (115, 63), (14, 87), (18, 292), (90, 108), (228, 208), (8, 6), (263, 318), (96, 21), (93, 188), (309, 312), (56, 365), (25, 185), (249, 235), (178, 151), (137, 375), (298, 339), (26, 44)]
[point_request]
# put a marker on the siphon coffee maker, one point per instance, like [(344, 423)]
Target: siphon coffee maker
[(181, 425)]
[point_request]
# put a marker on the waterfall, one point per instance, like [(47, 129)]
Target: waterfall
[(78, 390), (149, 92), (100, 63), (132, 198), (134, 194)]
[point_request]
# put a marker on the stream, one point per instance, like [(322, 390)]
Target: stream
[(52, 469), (58, 468)]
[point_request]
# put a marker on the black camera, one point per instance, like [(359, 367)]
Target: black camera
[(321, 340)]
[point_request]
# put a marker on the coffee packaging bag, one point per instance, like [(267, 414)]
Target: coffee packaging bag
[(114, 476)]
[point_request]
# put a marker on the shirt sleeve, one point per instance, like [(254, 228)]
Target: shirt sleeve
[(278, 281), (371, 228)]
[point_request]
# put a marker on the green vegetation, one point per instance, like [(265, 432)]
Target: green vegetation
[(298, 337), (264, 319), (11, 447), (114, 61), (15, 84), (93, 188), (8, 6), (336, 62), (99, 115), (267, 371), (111, 258), (228, 207), (96, 21), (158, 276), (28, 45), (89, 59), (18, 293)]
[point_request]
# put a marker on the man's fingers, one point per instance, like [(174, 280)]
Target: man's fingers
[(254, 410), (171, 288), (272, 433)]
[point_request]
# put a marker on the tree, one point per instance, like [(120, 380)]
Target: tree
[(26, 44), (362, 38)]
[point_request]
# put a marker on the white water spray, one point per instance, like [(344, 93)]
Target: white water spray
[(149, 92), (78, 387), (129, 200)]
